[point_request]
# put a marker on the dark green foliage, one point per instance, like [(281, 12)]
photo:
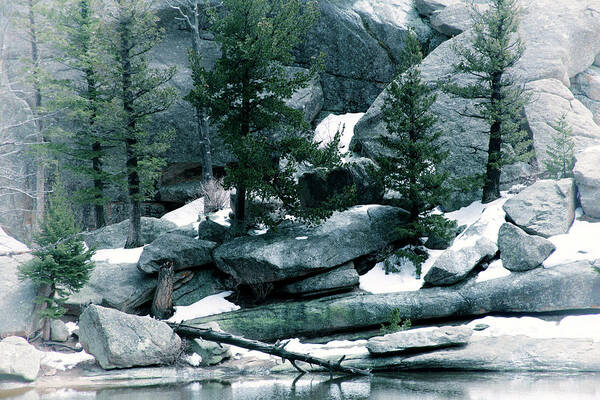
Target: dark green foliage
[(62, 262), (561, 158), (247, 91), (413, 153), (395, 323), (498, 99)]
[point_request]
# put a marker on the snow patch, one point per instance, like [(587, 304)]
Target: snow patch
[(493, 271), (9, 244), (210, 305), (301, 237), (221, 217), (71, 327), (64, 361), (580, 243), (193, 359), (188, 214), (326, 130), (488, 224), (119, 256)]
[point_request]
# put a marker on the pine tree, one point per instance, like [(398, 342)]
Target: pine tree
[(79, 100), (139, 92), (413, 153), (498, 100), (62, 264), (561, 153), (247, 92)]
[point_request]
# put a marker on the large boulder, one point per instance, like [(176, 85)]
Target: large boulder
[(587, 178), (121, 286), (120, 340), (183, 251), (520, 251), (299, 250), (419, 340), (565, 45), (204, 283), (338, 279), (539, 290), (18, 359), (115, 236), (546, 208), (452, 20), (427, 7)]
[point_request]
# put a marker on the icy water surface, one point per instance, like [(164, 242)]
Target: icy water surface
[(422, 386)]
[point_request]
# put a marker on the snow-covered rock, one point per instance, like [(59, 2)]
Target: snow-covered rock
[(520, 251), (210, 305), (120, 340), (332, 124), (18, 359), (546, 208), (115, 236), (188, 214)]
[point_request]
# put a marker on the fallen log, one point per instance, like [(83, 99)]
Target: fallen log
[(277, 349)]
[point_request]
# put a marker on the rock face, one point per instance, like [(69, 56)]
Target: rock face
[(565, 45), (419, 340), (298, 251), (587, 178), (120, 286), (452, 20), (18, 359), (520, 251), (546, 208), (184, 251), (115, 236), (211, 231), (120, 340), (338, 279), (538, 290), (428, 7)]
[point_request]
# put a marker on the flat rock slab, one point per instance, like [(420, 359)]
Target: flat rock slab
[(501, 353), (18, 359), (538, 290), (546, 208), (587, 177), (185, 252), (120, 340), (419, 340), (299, 251), (520, 251), (115, 236), (344, 277)]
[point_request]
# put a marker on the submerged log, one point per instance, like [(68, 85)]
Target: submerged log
[(277, 349), (162, 305)]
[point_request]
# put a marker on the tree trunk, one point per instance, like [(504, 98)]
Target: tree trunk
[(38, 322), (239, 222), (162, 304), (134, 237), (98, 186), (202, 128), (277, 349), (491, 185)]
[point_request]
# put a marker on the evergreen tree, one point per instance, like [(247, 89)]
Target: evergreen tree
[(498, 100), (139, 92), (79, 100), (247, 91), (62, 264), (413, 153), (561, 153)]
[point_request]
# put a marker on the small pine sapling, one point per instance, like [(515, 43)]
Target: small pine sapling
[(395, 323), (561, 153), (62, 265)]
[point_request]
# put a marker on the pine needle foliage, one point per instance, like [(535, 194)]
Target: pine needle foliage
[(561, 153), (62, 262), (498, 99)]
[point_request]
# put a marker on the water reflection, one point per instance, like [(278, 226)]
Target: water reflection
[(421, 386)]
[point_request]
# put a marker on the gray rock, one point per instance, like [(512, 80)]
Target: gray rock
[(428, 7), (58, 331), (419, 340), (442, 242), (184, 251), (212, 231), (115, 236), (205, 282), (538, 290), (344, 277), (212, 353), (309, 100), (546, 208), (520, 251), (501, 353), (587, 179), (186, 230), (299, 251), (17, 299), (120, 340), (120, 286), (181, 192), (453, 266), (452, 20), (18, 359)]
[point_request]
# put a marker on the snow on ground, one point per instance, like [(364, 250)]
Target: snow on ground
[(580, 243), (188, 214), (333, 123), (210, 305), (193, 359), (118, 256), (9, 244), (493, 271), (221, 217), (64, 361), (489, 221), (71, 327)]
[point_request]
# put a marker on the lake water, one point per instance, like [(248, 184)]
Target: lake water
[(422, 386)]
